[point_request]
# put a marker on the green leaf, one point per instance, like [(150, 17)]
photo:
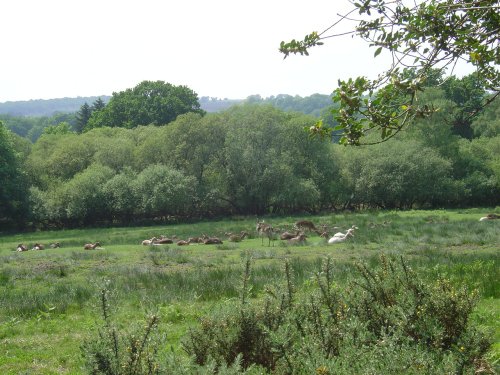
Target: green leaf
[(377, 52)]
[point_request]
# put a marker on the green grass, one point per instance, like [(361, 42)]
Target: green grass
[(49, 299)]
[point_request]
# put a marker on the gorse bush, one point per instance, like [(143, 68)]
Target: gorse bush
[(239, 333), (117, 353), (387, 321)]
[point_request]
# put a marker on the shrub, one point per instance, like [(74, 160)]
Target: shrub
[(387, 321), (116, 353)]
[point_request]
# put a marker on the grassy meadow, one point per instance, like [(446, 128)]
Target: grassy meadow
[(49, 300)]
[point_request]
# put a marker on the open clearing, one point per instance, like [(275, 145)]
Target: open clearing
[(49, 299)]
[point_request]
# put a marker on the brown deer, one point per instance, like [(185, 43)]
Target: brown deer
[(236, 237), (182, 243), (287, 235), (265, 230), (305, 224), (323, 234), (55, 245), (38, 246), (91, 246), (490, 217), (195, 240), (300, 239), (212, 241), (163, 240), (22, 247)]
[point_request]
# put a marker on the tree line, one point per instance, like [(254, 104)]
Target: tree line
[(249, 159)]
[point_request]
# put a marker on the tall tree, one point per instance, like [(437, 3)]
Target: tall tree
[(82, 117), (149, 102), (13, 187), (98, 104), (468, 94), (425, 35)]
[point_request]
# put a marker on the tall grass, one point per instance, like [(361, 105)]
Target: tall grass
[(59, 284)]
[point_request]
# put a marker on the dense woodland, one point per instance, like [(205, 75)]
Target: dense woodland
[(252, 158)]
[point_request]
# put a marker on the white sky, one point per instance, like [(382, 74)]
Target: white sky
[(218, 48)]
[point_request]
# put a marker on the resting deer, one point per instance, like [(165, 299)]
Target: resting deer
[(195, 240), (236, 237), (341, 237), (305, 224), (288, 236), (212, 241), (22, 247), (91, 246), (149, 242), (55, 245), (162, 241), (38, 246), (300, 239), (490, 217)]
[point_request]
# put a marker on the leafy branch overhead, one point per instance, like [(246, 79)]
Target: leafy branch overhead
[(421, 37)]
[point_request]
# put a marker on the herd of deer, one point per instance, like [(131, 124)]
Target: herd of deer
[(299, 237), (55, 245), (263, 230), (203, 239), (37, 246)]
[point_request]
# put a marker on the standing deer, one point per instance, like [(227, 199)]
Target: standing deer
[(267, 230)]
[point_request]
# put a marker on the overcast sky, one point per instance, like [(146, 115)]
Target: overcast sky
[(218, 48)]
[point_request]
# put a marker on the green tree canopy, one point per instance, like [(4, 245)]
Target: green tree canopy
[(61, 128), (148, 103), (82, 117), (13, 187), (419, 175), (424, 35)]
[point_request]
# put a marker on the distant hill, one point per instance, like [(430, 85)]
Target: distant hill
[(313, 105), (216, 105), (29, 118), (47, 107)]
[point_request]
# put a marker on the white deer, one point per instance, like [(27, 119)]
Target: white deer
[(341, 237)]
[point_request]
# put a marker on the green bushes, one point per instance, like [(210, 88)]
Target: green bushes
[(249, 159), (114, 353), (388, 321)]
